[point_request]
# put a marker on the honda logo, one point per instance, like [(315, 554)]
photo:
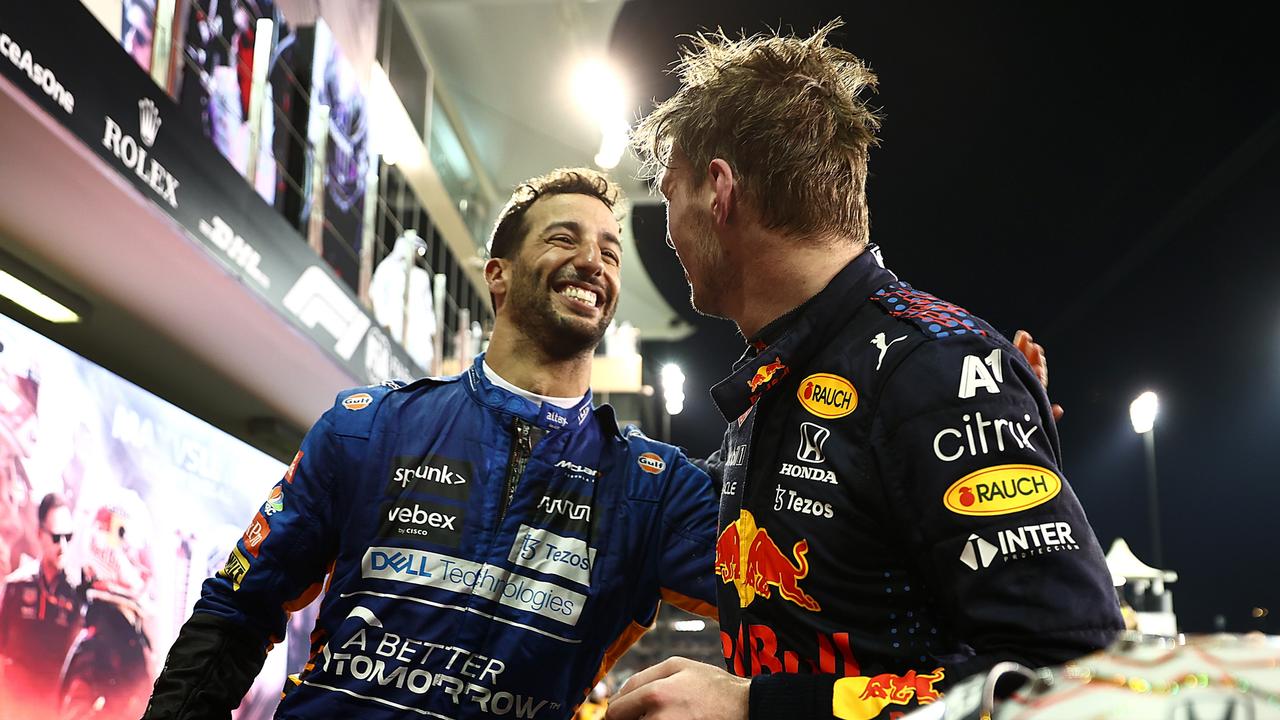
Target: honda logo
[(812, 438)]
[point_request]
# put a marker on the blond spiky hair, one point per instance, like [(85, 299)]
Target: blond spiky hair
[(785, 113)]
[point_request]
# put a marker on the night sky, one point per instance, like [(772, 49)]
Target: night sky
[(1107, 177)]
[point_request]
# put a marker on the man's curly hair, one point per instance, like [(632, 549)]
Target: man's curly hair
[(785, 113), (510, 228)]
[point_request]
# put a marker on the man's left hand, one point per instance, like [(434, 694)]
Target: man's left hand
[(681, 689)]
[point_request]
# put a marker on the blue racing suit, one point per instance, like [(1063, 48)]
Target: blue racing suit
[(485, 557)]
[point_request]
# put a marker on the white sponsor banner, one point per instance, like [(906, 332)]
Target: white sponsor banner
[(452, 574), (542, 550)]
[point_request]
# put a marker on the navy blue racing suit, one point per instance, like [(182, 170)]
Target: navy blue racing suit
[(894, 514), (485, 557)]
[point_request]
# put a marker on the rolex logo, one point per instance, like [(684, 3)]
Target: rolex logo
[(148, 120)]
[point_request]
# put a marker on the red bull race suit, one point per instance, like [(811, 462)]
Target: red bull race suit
[(485, 557), (893, 512)]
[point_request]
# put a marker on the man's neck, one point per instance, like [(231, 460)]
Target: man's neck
[(49, 572), (781, 273), (523, 363)]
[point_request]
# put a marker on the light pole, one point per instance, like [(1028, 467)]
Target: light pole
[(672, 396), (1142, 413)]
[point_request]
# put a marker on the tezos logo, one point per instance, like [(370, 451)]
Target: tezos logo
[(1002, 489), (359, 401), (827, 396), (651, 463), (812, 438)]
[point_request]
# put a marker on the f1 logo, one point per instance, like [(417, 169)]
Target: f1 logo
[(812, 438)]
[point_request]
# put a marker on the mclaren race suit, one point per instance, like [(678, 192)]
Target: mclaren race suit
[(894, 514), (486, 557)]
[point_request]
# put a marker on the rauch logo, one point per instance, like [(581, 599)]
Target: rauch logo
[(827, 396), (1002, 489)]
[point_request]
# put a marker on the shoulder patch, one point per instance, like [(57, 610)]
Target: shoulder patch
[(933, 316)]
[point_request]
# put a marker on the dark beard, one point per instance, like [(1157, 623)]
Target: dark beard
[(556, 335)]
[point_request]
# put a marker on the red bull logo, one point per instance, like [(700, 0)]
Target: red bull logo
[(749, 558), (765, 373), (864, 698)]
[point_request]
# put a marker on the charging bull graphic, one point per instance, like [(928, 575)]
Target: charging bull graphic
[(747, 557)]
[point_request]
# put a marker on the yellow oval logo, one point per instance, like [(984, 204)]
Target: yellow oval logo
[(359, 401), (827, 396), (1002, 489), (651, 463)]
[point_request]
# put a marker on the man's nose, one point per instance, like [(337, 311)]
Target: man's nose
[(588, 259)]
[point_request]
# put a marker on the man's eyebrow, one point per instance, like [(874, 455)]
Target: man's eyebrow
[(575, 227), (570, 225)]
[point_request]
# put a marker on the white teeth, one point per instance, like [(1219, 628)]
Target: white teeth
[(578, 293)]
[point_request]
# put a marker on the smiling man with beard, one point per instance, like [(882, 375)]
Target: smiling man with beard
[(492, 541)]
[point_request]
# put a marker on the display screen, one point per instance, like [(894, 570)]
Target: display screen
[(219, 42), (141, 502), (334, 85)]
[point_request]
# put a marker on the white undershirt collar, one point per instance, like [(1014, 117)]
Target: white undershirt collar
[(560, 402)]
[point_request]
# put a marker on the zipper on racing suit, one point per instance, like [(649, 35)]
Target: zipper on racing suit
[(526, 436)]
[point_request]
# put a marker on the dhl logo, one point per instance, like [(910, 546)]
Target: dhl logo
[(864, 698), (747, 557), (765, 373)]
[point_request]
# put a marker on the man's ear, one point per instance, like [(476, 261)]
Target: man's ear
[(723, 196), (497, 275)]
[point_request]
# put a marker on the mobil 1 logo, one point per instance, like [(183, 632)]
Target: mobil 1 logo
[(421, 520), (434, 475)]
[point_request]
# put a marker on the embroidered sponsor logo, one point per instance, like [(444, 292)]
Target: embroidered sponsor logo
[(976, 436), (790, 500), (359, 401), (827, 396), (275, 501), (651, 463), (457, 575), (546, 552), (578, 472), (1018, 543), (985, 373), (373, 658), (423, 521), (766, 374), (255, 534), (236, 568), (864, 698), (431, 475), (812, 439), (750, 559), (1002, 489)]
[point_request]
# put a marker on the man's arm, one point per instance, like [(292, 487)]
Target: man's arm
[(687, 556), (968, 453), (276, 567)]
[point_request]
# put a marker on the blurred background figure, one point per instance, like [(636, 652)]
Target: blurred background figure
[(39, 614)]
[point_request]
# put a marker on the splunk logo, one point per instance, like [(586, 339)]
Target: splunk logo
[(430, 475)]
